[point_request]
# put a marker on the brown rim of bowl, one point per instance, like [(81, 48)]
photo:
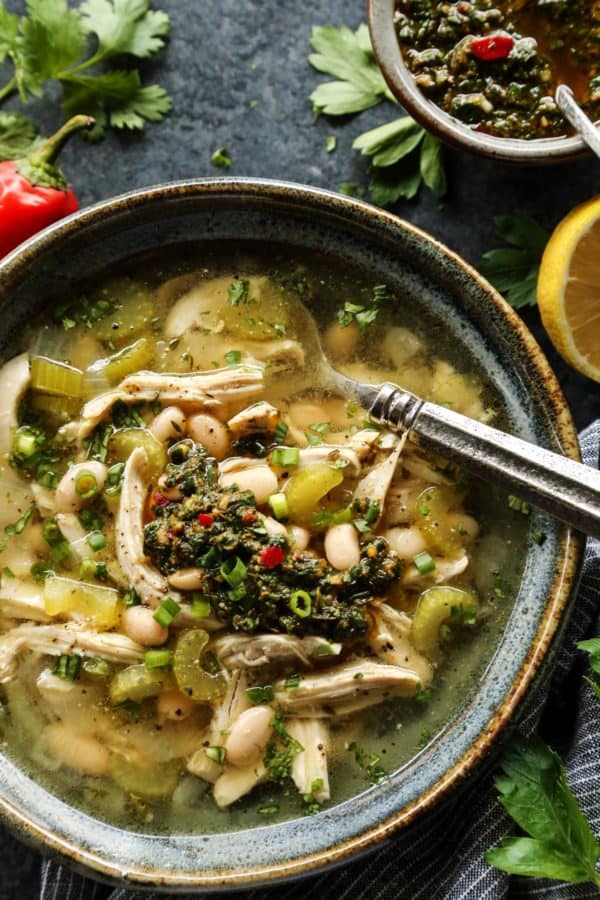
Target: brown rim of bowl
[(402, 85), (566, 566)]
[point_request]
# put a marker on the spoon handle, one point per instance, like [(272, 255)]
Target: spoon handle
[(575, 115), (566, 489)]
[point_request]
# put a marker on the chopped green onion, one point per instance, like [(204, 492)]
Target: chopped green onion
[(323, 649), (131, 598), (424, 563), (518, 504), (423, 509), (236, 594), (51, 532), (233, 571), (268, 810), (358, 676), (320, 427), (157, 659), (67, 667), (166, 612), (372, 513), (301, 604), (260, 693), (361, 525), (96, 540), (292, 682), (233, 357), (26, 443), (285, 457), (216, 754), (279, 505), (86, 485), (200, 607), (280, 433), (88, 568), (96, 667), (19, 526), (8, 572), (208, 558)]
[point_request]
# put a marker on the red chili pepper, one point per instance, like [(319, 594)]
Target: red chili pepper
[(205, 520), (271, 557), (159, 499), (248, 516), (494, 46), (33, 192)]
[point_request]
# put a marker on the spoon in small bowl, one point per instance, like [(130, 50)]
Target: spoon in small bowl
[(567, 490), (571, 110)]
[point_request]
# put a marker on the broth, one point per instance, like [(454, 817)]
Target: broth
[(346, 621)]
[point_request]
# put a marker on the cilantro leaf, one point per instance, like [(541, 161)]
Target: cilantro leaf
[(18, 135), (9, 27), (52, 40), (125, 26), (535, 793), (348, 56), (592, 647), (514, 270), (151, 103)]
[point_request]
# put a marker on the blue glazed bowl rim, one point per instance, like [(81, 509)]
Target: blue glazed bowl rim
[(297, 847)]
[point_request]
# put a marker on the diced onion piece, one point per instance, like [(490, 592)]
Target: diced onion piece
[(306, 488), (155, 780), (116, 367), (441, 608), (126, 440), (138, 683), (90, 601), (192, 679), (57, 378)]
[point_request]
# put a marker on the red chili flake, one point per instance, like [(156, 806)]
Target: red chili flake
[(271, 557), (159, 499), (205, 520), (494, 46), (248, 516)]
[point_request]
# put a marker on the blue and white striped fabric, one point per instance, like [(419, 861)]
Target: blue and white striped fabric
[(441, 857)]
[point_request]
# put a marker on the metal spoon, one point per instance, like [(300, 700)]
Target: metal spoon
[(565, 489), (571, 110)]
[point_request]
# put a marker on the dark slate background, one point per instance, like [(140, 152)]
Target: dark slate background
[(238, 76)]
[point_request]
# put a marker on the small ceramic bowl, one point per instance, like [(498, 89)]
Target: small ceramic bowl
[(485, 328), (403, 86)]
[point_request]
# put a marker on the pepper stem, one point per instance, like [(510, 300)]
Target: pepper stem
[(47, 153)]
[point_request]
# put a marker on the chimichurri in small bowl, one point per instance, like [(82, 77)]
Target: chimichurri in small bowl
[(483, 73)]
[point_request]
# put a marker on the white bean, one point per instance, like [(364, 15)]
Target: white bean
[(67, 497), (212, 434), (169, 423), (78, 751), (300, 536), (341, 546), (174, 705), (139, 624), (305, 414), (273, 526), (407, 542), (187, 579), (249, 735), (261, 480), (466, 526), (341, 342)]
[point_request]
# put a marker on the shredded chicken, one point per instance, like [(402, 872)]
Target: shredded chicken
[(260, 418), (239, 651), (349, 686), (197, 390), (445, 570), (22, 600), (234, 702), (14, 381), (309, 767), (329, 453), (389, 638), (374, 486), (54, 640)]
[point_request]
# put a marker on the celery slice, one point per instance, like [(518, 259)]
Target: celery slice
[(153, 781), (306, 488), (192, 679), (57, 378), (124, 442), (438, 611), (116, 367), (89, 601), (138, 683)]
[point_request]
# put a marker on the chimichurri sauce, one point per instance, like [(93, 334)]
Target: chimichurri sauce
[(495, 66)]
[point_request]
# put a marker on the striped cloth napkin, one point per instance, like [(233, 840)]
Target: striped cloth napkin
[(441, 856)]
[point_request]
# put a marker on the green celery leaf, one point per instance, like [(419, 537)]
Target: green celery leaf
[(535, 793), (125, 26), (389, 143), (513, 270), (432, 166), (9, 26), (340, 98), (53, 39), (151, 103), (18, 135), (388, 185), (526, 856)]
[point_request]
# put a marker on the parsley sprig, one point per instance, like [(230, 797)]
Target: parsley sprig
[(592, 647), (514, 269), (402, 154), (76, 48), (535, 793)]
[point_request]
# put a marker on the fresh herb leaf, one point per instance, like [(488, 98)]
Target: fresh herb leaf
[(125, 27), (370, 763), (9, 27), (513, 270), (592, 646), (280, 754), (18, 135), (330, 143), (535, 793), (221, 158)]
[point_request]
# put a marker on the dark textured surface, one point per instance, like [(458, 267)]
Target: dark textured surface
[(238, 75)]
